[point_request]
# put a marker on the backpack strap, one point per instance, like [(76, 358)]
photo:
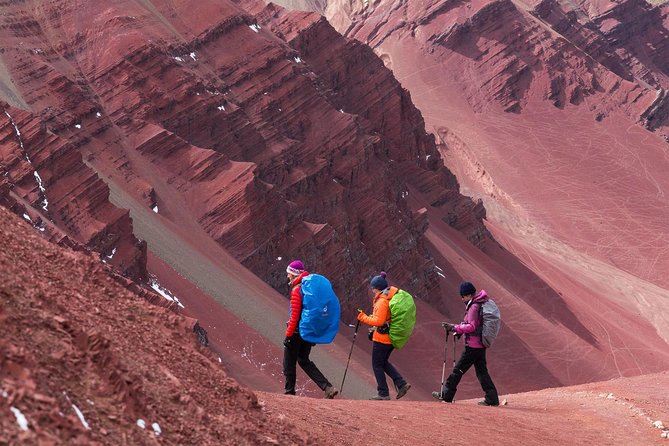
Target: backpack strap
[(479, 331)]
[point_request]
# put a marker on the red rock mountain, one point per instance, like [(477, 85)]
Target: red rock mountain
[(180, 140)]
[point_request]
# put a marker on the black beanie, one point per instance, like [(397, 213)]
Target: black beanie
[(467, 288), (379, 282)]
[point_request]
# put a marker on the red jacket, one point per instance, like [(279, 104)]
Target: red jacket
[(295, 305)]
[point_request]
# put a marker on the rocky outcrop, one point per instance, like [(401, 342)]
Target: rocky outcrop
[(47, 181), (629, 38)]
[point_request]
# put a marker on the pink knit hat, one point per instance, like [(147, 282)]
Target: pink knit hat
[(296, 267)]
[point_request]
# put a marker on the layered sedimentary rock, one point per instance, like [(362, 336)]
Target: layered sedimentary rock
[(274, 149), (46, 181)]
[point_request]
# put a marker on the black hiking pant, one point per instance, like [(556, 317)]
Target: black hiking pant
[(381, 365), (297, 352), (475, 357)]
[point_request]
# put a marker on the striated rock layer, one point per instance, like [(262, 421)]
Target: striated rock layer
[(238, 115), (46, 181), (545, 124)]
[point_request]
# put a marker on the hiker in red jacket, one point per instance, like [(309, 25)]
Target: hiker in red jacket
[(474, 353), (296, 350), (383, 347)]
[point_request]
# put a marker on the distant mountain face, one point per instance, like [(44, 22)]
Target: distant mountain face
[(555, 114), (280, 138)]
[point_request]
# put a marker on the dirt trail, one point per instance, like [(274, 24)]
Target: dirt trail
[(617, 412)]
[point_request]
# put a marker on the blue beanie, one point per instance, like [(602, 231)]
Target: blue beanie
[(467, 288), (379, 282)]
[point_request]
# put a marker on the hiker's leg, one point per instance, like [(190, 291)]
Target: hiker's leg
[(481, 367), (289, 361), (392, 371), (308, 366), (464, 363), (379, 360)]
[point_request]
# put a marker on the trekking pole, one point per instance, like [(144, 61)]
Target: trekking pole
[(443, 369), (454, 351), (355, 334)]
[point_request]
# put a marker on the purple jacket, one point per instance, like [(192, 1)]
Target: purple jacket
[(472, 321)]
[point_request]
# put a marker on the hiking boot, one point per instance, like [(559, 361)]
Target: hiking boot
[(403, 390), (439, 397), (331, 392), (485, 403), (380, 397)]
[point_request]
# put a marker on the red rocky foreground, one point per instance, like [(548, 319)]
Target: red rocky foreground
[(84, 361)]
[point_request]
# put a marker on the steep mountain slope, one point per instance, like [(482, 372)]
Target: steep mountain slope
[(83, 360)]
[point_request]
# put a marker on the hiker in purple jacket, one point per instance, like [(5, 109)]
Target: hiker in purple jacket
[(474, 353)]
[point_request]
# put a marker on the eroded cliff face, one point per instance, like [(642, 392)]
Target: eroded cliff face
[(45, 180), (280, 138)]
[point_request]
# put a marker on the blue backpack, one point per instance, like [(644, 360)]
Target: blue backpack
[(319, 321)]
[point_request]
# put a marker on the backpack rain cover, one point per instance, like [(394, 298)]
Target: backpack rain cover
[(319, 321), (402, 318)]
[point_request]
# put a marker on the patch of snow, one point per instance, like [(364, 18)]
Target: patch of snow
[(658, 424), (110, 256), (141, 423), (280, 110), (279, 258), (297, 59), (4, 394), (441, 274), (27, 217), (178, 59), (427, 157), (220, 360), (155, 209), (81, 417), (193, 56), (221, 107), (163, 291), (98, 115), (255, 28), (16, 128), (610, 397), (156, 429), (440, 269), (21, 419), (335, 180), (77, 126), (341, 110), (664, 434), (405, 194)]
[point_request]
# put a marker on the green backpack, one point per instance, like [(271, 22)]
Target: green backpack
[(402, 318)]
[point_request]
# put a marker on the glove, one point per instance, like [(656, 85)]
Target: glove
[(361, 315), (457, 335), (287, 341), (448, 326)]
